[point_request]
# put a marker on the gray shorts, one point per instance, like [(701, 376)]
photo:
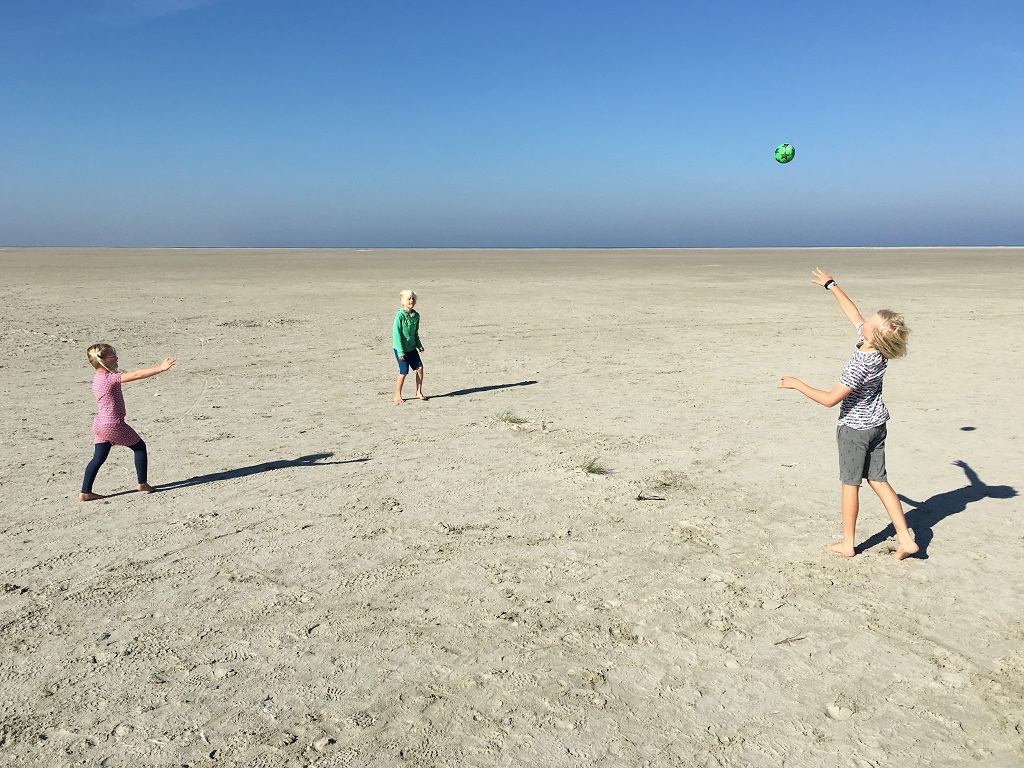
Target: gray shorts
[(861, 454)]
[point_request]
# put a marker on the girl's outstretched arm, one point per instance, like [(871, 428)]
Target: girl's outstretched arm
[(145, 373), (828, 399), (845, 302)]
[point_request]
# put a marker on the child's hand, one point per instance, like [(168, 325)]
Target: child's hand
[(167, 363), (820, 278), (422, 349), (788, 382)]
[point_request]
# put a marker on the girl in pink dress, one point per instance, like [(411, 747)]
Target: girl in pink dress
[(109, 427)]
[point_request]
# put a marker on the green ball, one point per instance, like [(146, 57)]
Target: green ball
[(784, 153)]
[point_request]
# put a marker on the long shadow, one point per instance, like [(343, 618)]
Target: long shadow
[(926, 514), (474, 390), (312, 460)]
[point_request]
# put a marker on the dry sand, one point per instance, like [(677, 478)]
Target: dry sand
[(330, 579)]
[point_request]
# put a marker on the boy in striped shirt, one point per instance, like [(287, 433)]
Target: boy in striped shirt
[(863, 416)]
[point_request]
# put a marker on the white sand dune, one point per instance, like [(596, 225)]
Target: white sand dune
[(328, 579)]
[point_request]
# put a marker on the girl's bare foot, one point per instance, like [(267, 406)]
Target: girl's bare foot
[(90, 496), (146, 488), (421, 396), (906, 550), (840, 548), (399, 400)]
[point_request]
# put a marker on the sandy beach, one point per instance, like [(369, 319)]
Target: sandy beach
[(325, 578)]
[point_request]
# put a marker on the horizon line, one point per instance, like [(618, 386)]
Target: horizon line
[(505, 247)]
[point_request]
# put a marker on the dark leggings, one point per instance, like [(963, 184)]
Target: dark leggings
[(100, 456)]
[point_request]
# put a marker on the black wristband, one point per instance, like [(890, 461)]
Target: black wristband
[(830, 283)]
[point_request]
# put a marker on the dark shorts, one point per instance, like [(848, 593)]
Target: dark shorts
[(861, 454), (412, 360)]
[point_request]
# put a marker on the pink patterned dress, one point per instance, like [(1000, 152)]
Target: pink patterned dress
[(109, 426)]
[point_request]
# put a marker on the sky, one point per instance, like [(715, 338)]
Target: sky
[(491, 124)]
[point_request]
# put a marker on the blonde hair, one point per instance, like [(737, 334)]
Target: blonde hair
[(406, 294), (891, 336), (96, 353)]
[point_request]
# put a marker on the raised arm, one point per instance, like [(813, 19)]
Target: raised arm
[(845, 302), (145, 373), (828, 399)]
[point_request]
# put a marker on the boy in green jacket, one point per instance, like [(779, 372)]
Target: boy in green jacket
[(405, 335)]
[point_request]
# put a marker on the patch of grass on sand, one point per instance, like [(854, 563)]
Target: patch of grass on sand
[(595, 467), (507, 417), (667, 481)]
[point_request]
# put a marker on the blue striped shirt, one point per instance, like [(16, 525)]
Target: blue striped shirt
[(863, 407)]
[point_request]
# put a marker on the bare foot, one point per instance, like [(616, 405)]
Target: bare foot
[(841, 549), (146, 488), (906, 550), (90, 496), (421, 396), (399, 400)]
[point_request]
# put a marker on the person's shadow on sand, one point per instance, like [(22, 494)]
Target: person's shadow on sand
[(927, 513), (312, 460), (474, 390)]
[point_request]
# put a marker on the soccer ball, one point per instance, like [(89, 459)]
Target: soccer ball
[(784, 153)]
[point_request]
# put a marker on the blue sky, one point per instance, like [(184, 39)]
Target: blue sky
[(538, 123)]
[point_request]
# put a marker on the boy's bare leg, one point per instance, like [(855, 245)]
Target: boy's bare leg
[(398, 388), (419, 383), (906, 544), (851, 507), (90, 496)]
